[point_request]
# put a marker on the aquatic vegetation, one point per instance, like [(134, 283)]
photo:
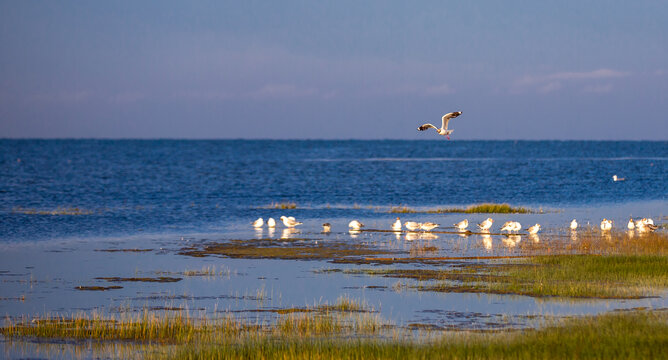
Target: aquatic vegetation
[(486, 208), (575, 276), (611, 336), (98, 288), (284, 205), (295, 249), (160, 279), (56, 211)]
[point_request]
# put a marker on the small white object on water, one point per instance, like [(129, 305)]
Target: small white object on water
[(326, 227), (258, 223), (462, 225), (355, 225), (271, 223), (428, 226), (534, 229), (290, 221), (485, 225), (615, 178), (606, 224), (574, 224), (396, 226), (412, 225)]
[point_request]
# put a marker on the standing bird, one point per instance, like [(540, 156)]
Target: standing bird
[(290, 221), (631, 225), (462, 225), (444, 124), (485, 225), (534, 229), (574, 224), (428, 226), (508, 226), (258, 223), (412, 225), (396, 226), (355, 225), (271, 223), (606, 224)]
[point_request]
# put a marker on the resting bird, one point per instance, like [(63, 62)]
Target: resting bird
[(485, 225), (428, 226), (271, 222), (412, 225), (290, 221), (258, 223), (355, 225), (534, 229), (444, 125), (606, 225), (396, 226), (574, 224), (462, 225)]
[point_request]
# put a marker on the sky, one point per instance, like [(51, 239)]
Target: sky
[(556, 70)]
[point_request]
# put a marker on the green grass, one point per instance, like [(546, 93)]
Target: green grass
[(487, 208), (283, 205), (629, 334), (575, 276), (611, 336)]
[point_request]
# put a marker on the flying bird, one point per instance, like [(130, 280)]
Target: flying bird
[(444, 125)]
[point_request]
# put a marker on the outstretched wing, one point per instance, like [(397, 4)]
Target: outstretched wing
[(426, 126), (448, 116)]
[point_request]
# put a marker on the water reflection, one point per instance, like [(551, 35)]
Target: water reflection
[(271, 232), (511, 240), (288, 233), (397, 235), (574, 236), (428, 236), (354, 233), (630, 234), (411, 235), (487, 241), (535, 238)]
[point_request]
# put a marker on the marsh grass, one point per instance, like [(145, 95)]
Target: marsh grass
[(486, 208), (57, 211), (284, 205), (573, 276), (610, 336)]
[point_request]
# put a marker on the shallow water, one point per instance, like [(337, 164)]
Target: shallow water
[(163, 196)]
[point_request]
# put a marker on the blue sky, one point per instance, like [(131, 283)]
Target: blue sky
[(334, 69)]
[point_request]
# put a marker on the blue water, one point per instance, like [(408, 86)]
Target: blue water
[(157, 186)]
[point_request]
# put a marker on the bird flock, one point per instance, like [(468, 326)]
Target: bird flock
[(511, 227)]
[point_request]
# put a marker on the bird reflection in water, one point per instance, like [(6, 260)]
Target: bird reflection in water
[(288, 233)]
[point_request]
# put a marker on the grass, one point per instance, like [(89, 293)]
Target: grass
[(486, 208), (573, 276), (284, 205), (627, 334), (272, 249), (611, 336), (57, 211)]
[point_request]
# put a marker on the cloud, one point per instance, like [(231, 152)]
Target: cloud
[(556, 81)]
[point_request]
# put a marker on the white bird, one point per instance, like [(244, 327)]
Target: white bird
[(631, 225), (512, 226), (271, 223), (647, 221), (428, 226), (444, 124), (615, 178), (326, 227), (258, 223), (574, 224), (355, 225), (534, 229), (606, 224), (290, 221), (462, 225), (485, 225), (412, 225), (396, 226)]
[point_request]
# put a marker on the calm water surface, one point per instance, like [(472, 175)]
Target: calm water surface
[(165, 195)]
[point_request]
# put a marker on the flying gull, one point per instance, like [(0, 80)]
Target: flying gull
[(444, 125)]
